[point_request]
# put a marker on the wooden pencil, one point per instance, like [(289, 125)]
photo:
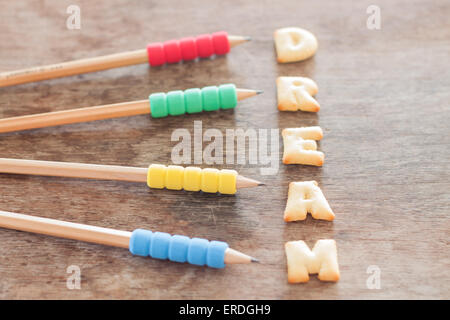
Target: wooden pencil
[(88, 233), (109, 111), (91, 171), (75, 67)]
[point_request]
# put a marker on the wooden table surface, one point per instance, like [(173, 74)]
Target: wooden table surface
[(385, 115)]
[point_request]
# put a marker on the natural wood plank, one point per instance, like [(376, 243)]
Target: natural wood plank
[(384, 97)]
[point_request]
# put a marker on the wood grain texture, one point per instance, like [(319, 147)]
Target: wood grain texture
[(385, 115)]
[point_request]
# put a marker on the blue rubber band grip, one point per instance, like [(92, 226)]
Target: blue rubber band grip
[(160, 245)]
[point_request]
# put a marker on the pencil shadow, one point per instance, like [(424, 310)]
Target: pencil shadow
[(214, 216), (189, 74)]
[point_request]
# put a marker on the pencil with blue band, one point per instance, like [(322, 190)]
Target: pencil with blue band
[(157, 245), (173, 103), (156, 54), (158, 176)]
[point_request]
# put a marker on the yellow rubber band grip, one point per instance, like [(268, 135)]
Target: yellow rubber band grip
[(227, 181), (192, 179), (174, 177)]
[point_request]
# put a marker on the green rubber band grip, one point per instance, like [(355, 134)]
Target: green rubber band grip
[(158, 104), (211, 99), (193, 100), (228, 96), (175, 103)]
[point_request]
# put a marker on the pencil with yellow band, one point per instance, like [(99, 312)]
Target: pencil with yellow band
[(156, 176)]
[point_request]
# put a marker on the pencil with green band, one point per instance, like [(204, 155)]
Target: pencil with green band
[(159, 105)]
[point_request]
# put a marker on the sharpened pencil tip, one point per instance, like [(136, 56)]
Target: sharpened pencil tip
[(248, 38), (259, 91), (255, 260), (261, 184), (243, 182)]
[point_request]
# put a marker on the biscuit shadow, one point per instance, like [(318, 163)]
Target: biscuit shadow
[(305, 68)]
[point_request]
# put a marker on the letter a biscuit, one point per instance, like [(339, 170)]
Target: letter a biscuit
[(304, 197)]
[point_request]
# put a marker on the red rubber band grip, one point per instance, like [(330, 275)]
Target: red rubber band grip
[(202, 46)]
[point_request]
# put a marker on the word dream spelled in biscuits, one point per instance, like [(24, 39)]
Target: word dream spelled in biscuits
[(300, 147)]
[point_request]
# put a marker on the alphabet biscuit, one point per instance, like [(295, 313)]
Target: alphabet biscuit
[(304, 197), (300, 147), (322, 260), (294, 44), (295, 93)]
